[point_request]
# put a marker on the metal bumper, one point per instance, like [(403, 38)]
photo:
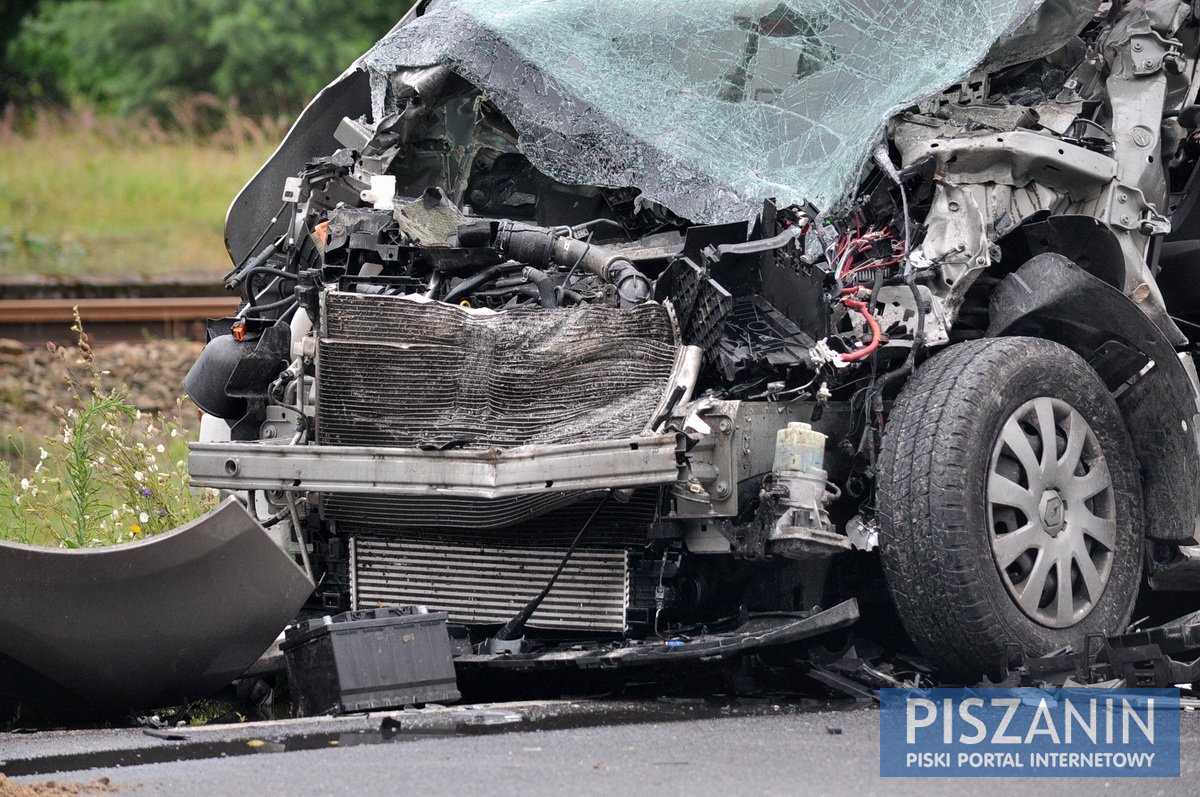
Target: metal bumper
[(487, 473)]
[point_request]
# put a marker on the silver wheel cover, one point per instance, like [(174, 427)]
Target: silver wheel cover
[(1051, 512)]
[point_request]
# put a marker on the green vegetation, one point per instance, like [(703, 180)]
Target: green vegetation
[(112, 474), (82, 195), (127, 126), (133, 55)]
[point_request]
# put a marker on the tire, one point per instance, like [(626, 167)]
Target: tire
[(948, 513)]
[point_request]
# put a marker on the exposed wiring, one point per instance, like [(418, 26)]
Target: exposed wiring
[(250, 251), (872, 324)]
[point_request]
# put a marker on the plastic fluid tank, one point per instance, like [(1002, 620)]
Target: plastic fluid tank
[(799, 448)]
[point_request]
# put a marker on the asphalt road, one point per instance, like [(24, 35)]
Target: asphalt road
[(575, 748)]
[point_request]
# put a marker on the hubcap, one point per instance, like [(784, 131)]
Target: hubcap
[(1051, 512)]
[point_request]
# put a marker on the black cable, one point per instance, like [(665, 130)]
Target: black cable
[(562, 289), (514, 627), (587, 226), (247, 274), (249, 252), (262, 308)]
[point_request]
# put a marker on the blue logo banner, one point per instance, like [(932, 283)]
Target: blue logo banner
[(1029, 733)]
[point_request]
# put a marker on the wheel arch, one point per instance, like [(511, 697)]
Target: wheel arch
[(1051, 297)]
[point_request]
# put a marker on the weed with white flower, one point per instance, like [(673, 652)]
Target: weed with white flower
[(111, 475)]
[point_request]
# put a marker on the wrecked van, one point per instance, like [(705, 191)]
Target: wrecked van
[(596, 323)]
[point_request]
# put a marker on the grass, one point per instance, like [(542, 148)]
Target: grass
[(85, 195), (110, 474)]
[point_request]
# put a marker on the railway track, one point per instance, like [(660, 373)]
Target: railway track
[(109, 320)]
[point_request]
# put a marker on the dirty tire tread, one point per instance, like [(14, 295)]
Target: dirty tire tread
[(930, 536)]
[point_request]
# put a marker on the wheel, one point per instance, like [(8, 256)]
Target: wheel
[(1010, 505)]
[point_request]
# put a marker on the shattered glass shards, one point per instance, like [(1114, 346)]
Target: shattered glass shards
[(708, 107)]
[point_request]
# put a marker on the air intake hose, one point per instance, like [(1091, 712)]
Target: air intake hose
[(540, 247)]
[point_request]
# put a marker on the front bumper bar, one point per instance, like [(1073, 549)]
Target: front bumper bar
[(487, 473)]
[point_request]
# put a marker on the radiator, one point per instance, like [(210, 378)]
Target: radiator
[(478, 585), (400, 372)]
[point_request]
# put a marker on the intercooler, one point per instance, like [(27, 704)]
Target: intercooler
[(479, 585)]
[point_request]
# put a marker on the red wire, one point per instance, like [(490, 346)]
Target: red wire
[(876, 333)]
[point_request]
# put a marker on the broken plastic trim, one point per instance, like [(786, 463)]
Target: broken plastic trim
[(172, 617), (758, 632)]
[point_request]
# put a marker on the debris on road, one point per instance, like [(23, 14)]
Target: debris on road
[(369, 660), (1161, 657), (138, 625)]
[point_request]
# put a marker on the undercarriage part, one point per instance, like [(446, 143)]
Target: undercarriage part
[(757, 633), (1162, 657), (1180, 572), (144, 624), (482, 585), (398, 372)]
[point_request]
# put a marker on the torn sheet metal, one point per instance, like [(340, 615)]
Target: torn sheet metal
[(144, 624), (753, 99)]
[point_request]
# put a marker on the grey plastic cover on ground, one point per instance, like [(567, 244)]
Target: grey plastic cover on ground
[(708, 106)]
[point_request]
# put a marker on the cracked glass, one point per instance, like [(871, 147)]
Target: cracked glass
[(707, 106)]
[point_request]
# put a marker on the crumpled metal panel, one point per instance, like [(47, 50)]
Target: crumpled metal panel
[(708, 106), (172, 617)]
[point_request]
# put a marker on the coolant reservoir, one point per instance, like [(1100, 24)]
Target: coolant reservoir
[(798, 447), (803, 528)]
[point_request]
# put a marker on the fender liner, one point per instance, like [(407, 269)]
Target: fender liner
[(1050, 297)]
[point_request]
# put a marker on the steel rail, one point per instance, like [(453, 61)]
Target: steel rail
[(52, 311)]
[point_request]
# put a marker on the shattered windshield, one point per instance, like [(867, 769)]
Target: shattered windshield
[(707, 106)]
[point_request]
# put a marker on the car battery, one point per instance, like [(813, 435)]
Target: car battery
[(367, 660)]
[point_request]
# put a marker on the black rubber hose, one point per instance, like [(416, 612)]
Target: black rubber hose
[(262, 308), (471, 283), (544, 285)]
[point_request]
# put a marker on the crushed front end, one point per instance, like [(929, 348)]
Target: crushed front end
[(589, 331)]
